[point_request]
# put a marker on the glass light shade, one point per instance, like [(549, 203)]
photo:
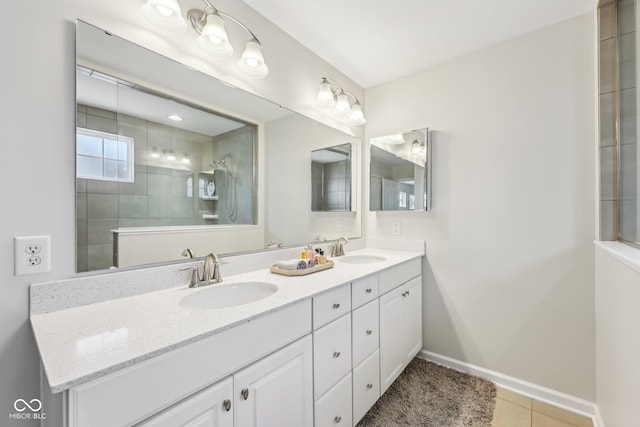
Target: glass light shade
[(325, 95), (252, 61), (342, 108), (171, 156), (357, 117), (165, 14), (214, 39)]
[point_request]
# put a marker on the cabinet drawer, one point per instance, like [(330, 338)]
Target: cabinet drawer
[(331, 305), (331, 354), (364, 290), (334, 408), (366, 385), (395, 276), (364, 331)]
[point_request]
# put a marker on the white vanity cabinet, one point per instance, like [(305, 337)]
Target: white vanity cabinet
[(270, 357), (400, 329), (332, 357), (381, 326)]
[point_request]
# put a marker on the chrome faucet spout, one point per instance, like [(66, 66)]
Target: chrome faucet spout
[(338, 249)]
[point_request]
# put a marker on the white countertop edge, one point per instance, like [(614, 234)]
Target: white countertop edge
[(624, 253), (64, 381)]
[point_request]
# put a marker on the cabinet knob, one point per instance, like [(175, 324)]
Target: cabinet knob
[(337, 419), (245, 393), (336, 306), (369, 386), (369, 331), (227, 405), (336, 354), (368, 290)]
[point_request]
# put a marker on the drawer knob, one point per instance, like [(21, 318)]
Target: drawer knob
[(227, 405), (369, 331), (336, 305), (336, 354), (337, 419), (368, 290), (369, 386), (245, 393)]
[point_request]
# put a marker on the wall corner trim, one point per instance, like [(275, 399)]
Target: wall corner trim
[(525, 388)]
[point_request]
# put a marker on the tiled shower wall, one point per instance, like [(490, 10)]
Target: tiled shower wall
[(333, 182), (618, 116), (160, 194)]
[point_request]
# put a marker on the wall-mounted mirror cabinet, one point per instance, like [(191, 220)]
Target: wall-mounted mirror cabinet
[(169, 158), (331, 179), (400, 172)]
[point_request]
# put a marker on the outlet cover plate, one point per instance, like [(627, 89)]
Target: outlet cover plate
[(32, 254)]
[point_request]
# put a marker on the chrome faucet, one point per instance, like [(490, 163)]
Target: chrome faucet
[(210, 272), (338, 248)]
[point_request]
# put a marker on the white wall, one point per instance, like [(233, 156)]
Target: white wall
[(38, 68), (617, 343), (509, 283)]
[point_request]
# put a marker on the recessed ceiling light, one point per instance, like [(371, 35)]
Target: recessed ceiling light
[(175, 118)]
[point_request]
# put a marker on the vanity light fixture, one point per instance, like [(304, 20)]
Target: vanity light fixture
[(418, 147), (154, 153), (212, 36), (170, 156), (185, 159), (332, 96)]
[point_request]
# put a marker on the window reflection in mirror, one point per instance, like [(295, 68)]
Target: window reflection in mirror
[(144, 160), (400, 172), (331, 179)]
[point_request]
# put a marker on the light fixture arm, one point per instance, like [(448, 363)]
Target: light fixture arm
[(339, 89), (198, 19)]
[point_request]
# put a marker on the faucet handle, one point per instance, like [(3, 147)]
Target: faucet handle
[(194, 278)]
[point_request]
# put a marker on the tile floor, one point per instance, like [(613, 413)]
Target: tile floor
[(514, 410)]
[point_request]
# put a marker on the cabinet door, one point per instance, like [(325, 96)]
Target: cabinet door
[(277, 390), (209, 408), (400, 329)]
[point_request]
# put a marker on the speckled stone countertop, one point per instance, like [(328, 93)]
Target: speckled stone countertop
[(85, 342)]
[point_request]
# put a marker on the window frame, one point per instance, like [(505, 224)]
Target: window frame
[(111, 136)]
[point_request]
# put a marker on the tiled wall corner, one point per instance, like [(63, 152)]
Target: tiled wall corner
[(608, 118)]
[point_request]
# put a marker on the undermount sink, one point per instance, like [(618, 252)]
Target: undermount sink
[(362, 259), (228, 295)]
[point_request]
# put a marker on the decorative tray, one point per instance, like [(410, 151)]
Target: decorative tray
[(319, 267)]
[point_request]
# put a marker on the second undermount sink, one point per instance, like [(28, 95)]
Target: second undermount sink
[(228, 295), (362, 259)]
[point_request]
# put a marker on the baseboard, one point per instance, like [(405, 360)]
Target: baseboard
[(533, 391)]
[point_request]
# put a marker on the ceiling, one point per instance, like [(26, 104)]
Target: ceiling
[(375, 41)]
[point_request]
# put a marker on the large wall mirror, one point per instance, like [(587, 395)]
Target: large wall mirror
[(400, 172), (169, 158)]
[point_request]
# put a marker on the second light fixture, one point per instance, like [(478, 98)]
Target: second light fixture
[(212, 36), (332, 96)]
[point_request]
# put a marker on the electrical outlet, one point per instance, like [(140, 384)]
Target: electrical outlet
[(32, 254), (395, 228)]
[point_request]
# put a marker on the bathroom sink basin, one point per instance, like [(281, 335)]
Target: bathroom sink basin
[(362, 259), (228, 295)]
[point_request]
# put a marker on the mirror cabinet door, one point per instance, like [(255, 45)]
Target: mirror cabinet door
[(400, 172)]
